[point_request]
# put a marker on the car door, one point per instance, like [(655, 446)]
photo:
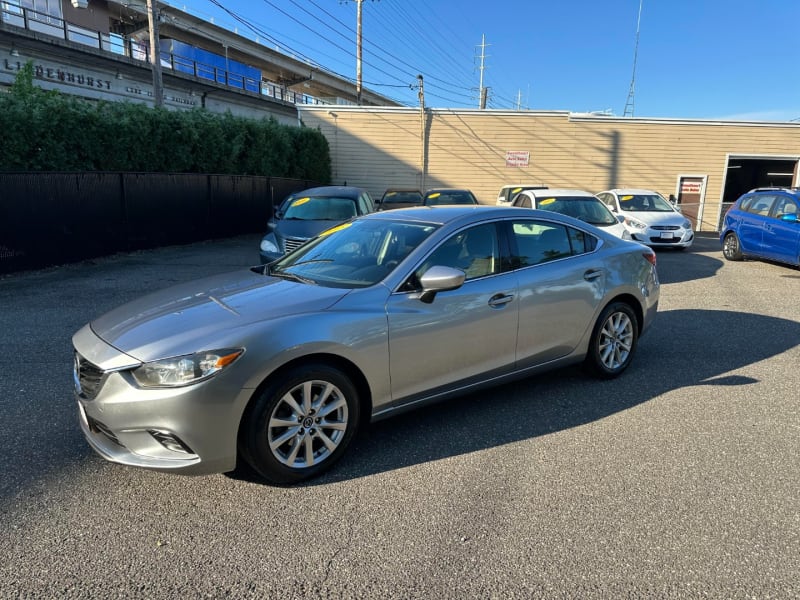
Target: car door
[(561, 281), (781, 239), (754, 220), (464, 335)]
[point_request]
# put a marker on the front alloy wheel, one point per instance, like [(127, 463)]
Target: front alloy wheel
[(300, 426), (731, 249), (613, 341)]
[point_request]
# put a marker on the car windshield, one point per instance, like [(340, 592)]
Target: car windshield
[(449, 197), (644, 203), (320, 208), (404, 197), (353, 255), (587, 209)]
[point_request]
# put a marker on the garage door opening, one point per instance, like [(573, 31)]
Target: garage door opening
[(744, 174)]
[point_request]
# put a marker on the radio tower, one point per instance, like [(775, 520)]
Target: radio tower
[(629, 102)]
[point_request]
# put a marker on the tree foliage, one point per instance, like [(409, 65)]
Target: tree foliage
[(50, 131)]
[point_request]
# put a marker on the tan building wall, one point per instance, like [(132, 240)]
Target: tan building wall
[(382, 147)]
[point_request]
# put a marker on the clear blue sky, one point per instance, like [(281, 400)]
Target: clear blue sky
[(708, 59)]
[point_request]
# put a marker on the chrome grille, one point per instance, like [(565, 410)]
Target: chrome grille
[(290, 244), (666, 227), (88, 378)]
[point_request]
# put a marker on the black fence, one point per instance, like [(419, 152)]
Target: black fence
[(55, 218)]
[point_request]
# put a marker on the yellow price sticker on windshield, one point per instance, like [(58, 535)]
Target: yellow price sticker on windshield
[(436, 195), (335, 229), (390, 193), (624, 198), (516, 190), (547, 201), (300, 201)]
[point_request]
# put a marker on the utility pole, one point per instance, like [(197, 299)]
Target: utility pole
[(481, 91), (629, 103), (358, 51), (421, 96), (155, 54)]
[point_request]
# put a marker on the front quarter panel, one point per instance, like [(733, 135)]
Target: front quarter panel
[(355, 330)]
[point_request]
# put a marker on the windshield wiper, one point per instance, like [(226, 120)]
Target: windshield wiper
[(312, 260), (292, 277)]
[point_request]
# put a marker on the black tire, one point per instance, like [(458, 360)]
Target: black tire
[(613, 342), (301, 424), (731, 248)]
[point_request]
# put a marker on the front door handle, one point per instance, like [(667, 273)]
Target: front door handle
[(499, 300)]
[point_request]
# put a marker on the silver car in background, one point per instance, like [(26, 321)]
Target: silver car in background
[(650, 218), (279, 365)]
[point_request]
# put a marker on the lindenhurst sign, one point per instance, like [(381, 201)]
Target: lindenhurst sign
[(94, 84)]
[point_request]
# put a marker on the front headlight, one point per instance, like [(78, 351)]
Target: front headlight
[(185, 370), (687, 224), (634, 223), (267, 245)]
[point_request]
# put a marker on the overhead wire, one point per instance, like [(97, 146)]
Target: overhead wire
[(436, 87)]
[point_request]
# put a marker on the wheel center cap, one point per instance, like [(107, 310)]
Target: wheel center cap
[(308, 422)]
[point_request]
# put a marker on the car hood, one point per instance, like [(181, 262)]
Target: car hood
[(617, 229), (195, 316), (656, 218), (296, 228)]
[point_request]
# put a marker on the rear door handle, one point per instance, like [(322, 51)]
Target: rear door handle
[(499, 300), (592, 274)]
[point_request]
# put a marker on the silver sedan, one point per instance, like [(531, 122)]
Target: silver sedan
[(277, 366)]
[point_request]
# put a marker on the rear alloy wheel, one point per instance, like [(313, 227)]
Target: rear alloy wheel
[(613, 341), (731, 249), (301, 425)]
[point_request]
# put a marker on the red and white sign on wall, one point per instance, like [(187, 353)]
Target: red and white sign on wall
[(517, 158), (691, 187)]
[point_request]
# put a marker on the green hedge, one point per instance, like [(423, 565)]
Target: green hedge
[(50, 131)]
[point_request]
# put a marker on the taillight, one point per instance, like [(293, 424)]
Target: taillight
[(650, 257)]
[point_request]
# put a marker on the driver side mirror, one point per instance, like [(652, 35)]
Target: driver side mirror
[(440, 279)]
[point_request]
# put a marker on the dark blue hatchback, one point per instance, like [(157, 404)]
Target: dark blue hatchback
[(764, 223)]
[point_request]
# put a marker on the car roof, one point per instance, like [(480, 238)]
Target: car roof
[(465, 214), (629, 191), (434, 190), (537, 186), (558, 193), (788, 190), (341, 191)]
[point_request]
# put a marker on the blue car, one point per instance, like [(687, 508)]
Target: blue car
[(304, 215), (764, 223)]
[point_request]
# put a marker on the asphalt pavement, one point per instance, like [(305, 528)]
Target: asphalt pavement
[(681, 479)]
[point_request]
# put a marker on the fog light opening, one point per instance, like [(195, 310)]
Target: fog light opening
[(170, 441)]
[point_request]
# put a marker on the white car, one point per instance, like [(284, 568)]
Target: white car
[(507, 192), (650, 218), (573, 203)]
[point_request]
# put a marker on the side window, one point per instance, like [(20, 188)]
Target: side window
[(581, 242), (364, 204), (784, 206), (540, 241), (761, 204), (608, 200), (746, 202), (475, 251), (523, 200)]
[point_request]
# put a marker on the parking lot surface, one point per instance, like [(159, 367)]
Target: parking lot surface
[(681, 479)]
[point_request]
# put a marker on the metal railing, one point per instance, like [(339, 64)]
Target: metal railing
[(13, 13)]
